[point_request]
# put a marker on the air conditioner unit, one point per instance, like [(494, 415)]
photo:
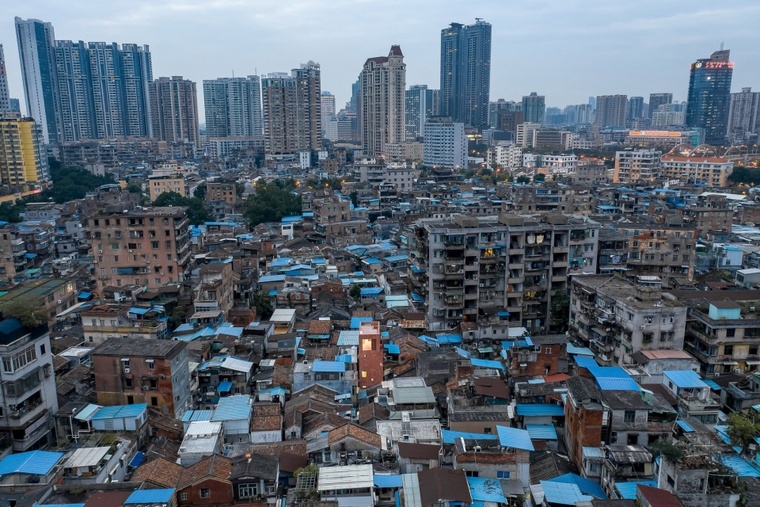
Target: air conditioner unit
[(717, 375), (59, 301), (482, 285), (127, 369)]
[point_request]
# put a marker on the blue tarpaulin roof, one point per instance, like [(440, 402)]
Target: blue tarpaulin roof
[(392, 349), (387, 480), (356, 321), (587, 486), (541, 431), (627, 490), (149, 496), (225, 387), (371, 291), (449, 436), (328, 366), (539, 409), (444, 339), (137, 459), (31, 463), (712, 384), (84, 295), (685, 379), (514, 438), (685, 426), (486, 490), (139, 311), (488, 363), (562, 493)]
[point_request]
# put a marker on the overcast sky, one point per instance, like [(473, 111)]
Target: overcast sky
[(567, 50)]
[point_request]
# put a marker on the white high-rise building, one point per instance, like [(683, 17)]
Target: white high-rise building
[(35, 47), (233, 107), (445, 144), (743, 117), (5, 99), (383, 106)]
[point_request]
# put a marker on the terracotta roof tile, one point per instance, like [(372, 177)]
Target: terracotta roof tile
[(160, 472), (356, 432), (216, 466)]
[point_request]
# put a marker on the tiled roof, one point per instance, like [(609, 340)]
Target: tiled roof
[(160, 472), (354, 431), (215, 466)]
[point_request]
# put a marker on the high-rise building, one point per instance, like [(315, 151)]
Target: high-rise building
[(23, 160), (38, 72), (382, 111), (668, 115), (710, 96), (635, 108), (445, 144), (578, 114), (5, 99), (174, 109), (420, 105), (743, 117), (658, 99), (466, 73), (534, 108), (292, 105), (495, 108), (632, 166), (328, 105), (80, 90), (610, 110), (233, 106)]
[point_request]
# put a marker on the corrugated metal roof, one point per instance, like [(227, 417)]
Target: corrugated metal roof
[(345, 477), (149, 496), (617, 384), (539, 409), (593, 452), (586, 486), (685, 426), (739, 465), (356, 321), (406, 395), (411, 484), (233, 408), (32, 462), (585, 362), (449, 436), (627, 490), (487, 363), (86, 456), (581, 351), (203, 428), (685, 379), (387, 480), (235, 364), (563, 493), (515, 438), (486, 490), (348, 338), (541, 431), (328, 366), (199, 415), (87, 412), (120, 411)]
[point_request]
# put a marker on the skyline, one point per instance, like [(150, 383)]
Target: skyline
[(577, 60)]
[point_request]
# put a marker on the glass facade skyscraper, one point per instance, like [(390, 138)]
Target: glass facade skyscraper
[(79, 90), (466, 73), (710, 96)]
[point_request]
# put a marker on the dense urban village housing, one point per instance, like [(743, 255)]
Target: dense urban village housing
[(426, 297)]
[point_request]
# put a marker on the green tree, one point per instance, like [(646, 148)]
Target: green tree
[(560, 310), (355, 198), (200, 192), (523, 179), (743, 429), (10, 212), (355, 292), (271, 202), (539, 178), (70, 183), (671, 451), (134, 188), (197, 212), (31, 313), (746, 175), (263, 304)]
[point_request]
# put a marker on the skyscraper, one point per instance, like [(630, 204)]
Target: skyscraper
[(382, 108), (38, 73), (292, 105), (328, 105), (233, 106), (710, 96), (610, 110), (744, 116), (5, 99), (534, 108), (80, 90), (635, 108), (466, 73), (420, 105), (174, 109), (658, 99)]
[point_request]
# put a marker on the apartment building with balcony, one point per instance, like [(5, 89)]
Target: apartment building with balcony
[(471, 268), (724, 335), (28, 397), (101, 322), (667, 251), (145, 246), (617, 318), (133, 370), (12, 253), (214, 291)]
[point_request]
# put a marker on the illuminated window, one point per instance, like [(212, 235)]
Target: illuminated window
[(364, 374), (367, 344)]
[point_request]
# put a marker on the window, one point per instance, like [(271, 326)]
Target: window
[(471, 473), (42, 349), (19, 359), (128, 383), (205, 493), (629, 416), (364, 374), (728, 350), (151, 363), (502, 474), (248, 490), (547, 350), (367, 344), (154, 402), (633, 438)]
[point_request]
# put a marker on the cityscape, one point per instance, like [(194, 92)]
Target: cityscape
[(244, 291)]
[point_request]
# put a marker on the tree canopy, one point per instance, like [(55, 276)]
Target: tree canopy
[(271, 202), (742, 429), (10, 212), (196, 212), (70, 183), (750, 176)]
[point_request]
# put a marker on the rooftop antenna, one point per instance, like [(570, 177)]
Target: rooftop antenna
[(721, 46), (233, 72)]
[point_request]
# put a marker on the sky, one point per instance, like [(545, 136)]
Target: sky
[(566, 50)]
